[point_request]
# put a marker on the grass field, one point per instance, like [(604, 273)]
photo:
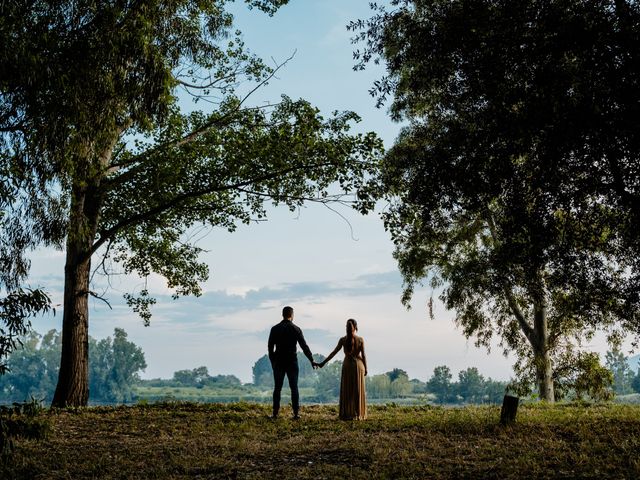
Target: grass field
[(181, 440)]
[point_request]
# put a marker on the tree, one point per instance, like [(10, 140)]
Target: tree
[(18, 304), (471, 385), (635, 384), (90, 118), (440, 383), (617, 363), (223, 381), (397, 373), (115, 364), (192, 378), (15, 309), (494, 391), (114, 367), (328, 384), (577, 374), (378, 386), (308, 377), (27, 372), (515, 181), (401, 387), (32, 368), (262, 372)]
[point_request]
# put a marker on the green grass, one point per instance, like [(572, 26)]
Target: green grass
[(182, 440)]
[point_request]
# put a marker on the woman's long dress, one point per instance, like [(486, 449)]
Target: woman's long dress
[(353, 400)]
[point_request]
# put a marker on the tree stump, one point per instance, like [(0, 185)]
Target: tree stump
[(509, 409)]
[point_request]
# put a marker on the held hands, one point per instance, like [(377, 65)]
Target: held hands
[(317, 365)]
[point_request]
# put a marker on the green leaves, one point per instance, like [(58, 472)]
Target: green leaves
[(111, 158), (15, 309), (218, 170), (502, 182)]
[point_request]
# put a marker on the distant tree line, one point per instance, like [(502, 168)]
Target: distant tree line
[(114, 367), (471, 386), (197, 377), (625, 378), (117, 362)]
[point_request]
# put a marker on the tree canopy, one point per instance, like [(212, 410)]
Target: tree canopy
[(112, 164), (515, 182)]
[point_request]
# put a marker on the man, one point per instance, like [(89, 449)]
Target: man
[(284, 360)]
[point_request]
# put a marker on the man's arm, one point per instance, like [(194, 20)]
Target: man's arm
[(271, 346), (303, 345)]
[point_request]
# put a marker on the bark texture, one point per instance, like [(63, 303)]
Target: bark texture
[(72, 389)]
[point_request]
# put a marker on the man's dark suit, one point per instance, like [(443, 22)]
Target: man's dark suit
[(282, 352)]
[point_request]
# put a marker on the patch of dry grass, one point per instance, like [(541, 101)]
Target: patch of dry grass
[(240, 441)]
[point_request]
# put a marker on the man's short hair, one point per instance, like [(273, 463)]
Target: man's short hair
[(287, 312)]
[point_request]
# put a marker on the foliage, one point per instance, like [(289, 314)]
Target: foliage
[(623, 375), (199, 377), (114, 368), (33, 368), (90, 121), (378, 386), (514, 182), (262, 372), (471, 385), (240, 441), (15, 309), (440, 383), (577, 374), (328, 384)]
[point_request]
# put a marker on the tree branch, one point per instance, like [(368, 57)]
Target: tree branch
[(190, 137), (515, 309), (106, 235), (198, 132), (508, 292)]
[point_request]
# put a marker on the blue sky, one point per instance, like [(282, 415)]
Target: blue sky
[(309, 259)]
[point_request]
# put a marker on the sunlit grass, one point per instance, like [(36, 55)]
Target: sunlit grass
[(183, 440)]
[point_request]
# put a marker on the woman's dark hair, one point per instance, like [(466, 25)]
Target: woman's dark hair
[(349, 344)]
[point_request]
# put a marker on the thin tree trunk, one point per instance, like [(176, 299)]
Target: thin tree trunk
[(538, 338), (542, 354)]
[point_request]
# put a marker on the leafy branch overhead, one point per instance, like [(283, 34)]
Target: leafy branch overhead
[(514, 182), (109, 163)]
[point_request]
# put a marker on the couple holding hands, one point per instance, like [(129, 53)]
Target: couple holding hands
[(282, 353)]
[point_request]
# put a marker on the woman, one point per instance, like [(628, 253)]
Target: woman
[(353, 402)]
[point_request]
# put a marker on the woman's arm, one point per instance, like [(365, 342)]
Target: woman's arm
[(332, 354), (364, 357)]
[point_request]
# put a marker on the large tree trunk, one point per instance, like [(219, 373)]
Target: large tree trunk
[(73, 377)]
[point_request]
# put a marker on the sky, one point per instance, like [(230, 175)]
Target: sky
[(327, 268)]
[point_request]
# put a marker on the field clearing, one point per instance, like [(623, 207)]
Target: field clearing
[(183, 440)]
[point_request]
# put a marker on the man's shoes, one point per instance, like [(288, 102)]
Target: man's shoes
[(273, 417), (296, 417)]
